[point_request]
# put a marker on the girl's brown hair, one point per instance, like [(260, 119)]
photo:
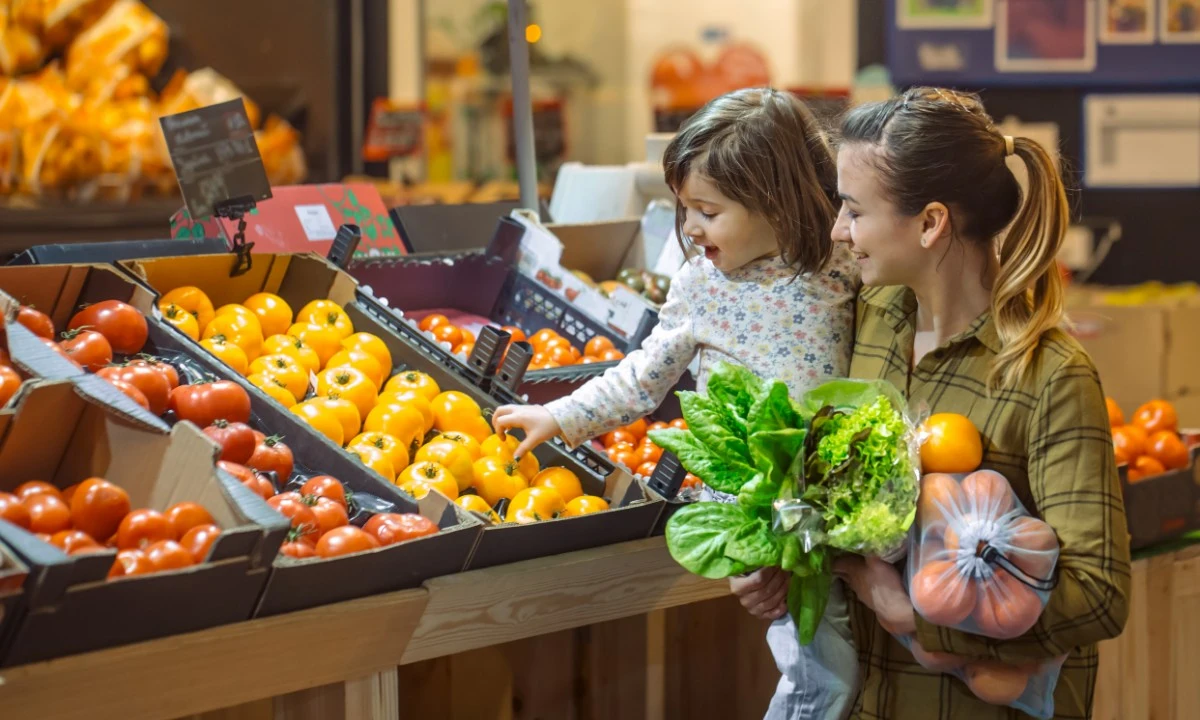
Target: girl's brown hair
[(765, 150), (938, 145)]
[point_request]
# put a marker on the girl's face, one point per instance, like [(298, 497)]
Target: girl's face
[(886, 243), (727, 232)]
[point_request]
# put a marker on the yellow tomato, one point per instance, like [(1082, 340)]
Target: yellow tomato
[(181, 319), (239, 331), (476, 504), (370, 344), (396, 451), (585, 505), (327, 313), (496, 479), (274, 388), (320, 419), (345, 411), (295, 347), (399, 421), (419, 478), (193, 300), (362, 360), (455, 411), (534, 504), (505, 449), (351, 384), (243, 312), (413, 380), (470, 444), (477, 428), (273, 312), (227, 352), (451, 456), (284, 368), (413, 400), (375, 459), (324, 341), (562, 480)]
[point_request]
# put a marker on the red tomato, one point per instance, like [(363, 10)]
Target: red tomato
[(1156, 416), (168, 555), (298, 549), (1166, 447), (186, 515), (649, 452), (392, 528), (133, 393), (647, 469), (618, 436), (143, 527), (88, 348), (162, 366), (10, 382), (123, 324), (206, 403), (129, 563), (679, 424), (74, 541), (152, 383), (13, 511), (257, 482), (199, 541), (345, 541), (35, 487), (36, 321), (271, 455), (47, 513), (325, 486), (54, 346), (329, 515), (98, 506), (293, 507), (236, 440)]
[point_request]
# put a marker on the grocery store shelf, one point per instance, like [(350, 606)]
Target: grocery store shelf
[(235, 664)]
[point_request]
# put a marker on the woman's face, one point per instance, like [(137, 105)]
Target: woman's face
[(886, 243)]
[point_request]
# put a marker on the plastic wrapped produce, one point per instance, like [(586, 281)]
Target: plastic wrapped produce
[(129, 39)]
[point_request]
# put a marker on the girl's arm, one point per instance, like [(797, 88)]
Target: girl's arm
[(1073, 478), (629, 391)]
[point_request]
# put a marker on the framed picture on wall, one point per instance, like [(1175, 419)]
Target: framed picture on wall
[(943, 14), (1179, 21), (1128, 22), (1042, 36)]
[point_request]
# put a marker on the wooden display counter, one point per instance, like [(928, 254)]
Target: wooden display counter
[(617, 632)]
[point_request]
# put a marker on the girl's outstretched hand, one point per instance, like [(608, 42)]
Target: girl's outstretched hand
[(537, 422)]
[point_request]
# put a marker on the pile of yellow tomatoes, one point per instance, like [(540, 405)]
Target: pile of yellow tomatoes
[(340, 382)]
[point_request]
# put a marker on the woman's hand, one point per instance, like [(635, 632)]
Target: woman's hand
[(763, 592), (879, 586), (537, 422)]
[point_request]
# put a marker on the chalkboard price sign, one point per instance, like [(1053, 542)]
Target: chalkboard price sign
[(215, 156)]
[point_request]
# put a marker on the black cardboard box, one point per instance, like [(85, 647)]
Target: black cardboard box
[(1163, 506)]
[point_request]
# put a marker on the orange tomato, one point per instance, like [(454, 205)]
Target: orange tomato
[(1156, 416), (496, 478), (429, 322), (362, 360), (650, 452), (227, 352), (534, 504), (324, 340), (240, 329), (327, 313), (646, 469), (412, 399), (465, 349), (952, 444), (372, 345), (474, 503), (1115, 417), (557, 342), (241, 311), (349, 383), (468, 337), (375, 459), (345, 411), (321, 420), (285, 369), (453, 457), (399, 421), (561, 356), (584, 505), (619, 436), (417, 382), (542, 338), (470, 444), (448, 334), (193, 300), (679, 424), (624, 454), (506, 449), (293, 347), (597, 345), (1129, 441), (419, 478), (1144, 466), (395, 450), (610, 355), (637, 428), (562, 480), (656, 426), (515, 334), (273, 387), (274, 314), (454, 410), (1166, 447)]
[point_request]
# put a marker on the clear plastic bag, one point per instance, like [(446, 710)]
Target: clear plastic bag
[(979, 561), (1028, 687), (128, 38), (21, 50)]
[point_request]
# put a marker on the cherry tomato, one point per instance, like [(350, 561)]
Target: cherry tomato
[(123, 324), (10, 382), (327, 487), (47, 513), (168, 555), (647, 469), (129, 563), (36, 321), (235, 439), (131, 392), (206, 403), (345, 541), (199, 541), (430, 322), (679, 424), (329, 515), (35, 487), (153, 384), (448, 334), (13, 511), (98, 506), (298, 549), (74, 541), (88, 348), (292, 506), (392, 528), (186, 515), (143, 527), (270, 454)]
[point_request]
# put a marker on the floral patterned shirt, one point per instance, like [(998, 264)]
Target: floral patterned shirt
[(799, 331)]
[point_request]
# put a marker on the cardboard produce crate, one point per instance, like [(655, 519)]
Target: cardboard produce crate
[(294, 584), (13, 574), (65, 431), (1163, 506), (302, 278)]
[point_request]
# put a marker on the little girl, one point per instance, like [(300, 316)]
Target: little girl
[(756, 187)]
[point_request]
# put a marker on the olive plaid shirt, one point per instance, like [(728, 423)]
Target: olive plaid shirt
[(1050, 437)]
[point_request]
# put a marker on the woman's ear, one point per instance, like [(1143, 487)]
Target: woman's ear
[(935, 224)]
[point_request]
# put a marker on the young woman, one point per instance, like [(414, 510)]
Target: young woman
[(963, 311)]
